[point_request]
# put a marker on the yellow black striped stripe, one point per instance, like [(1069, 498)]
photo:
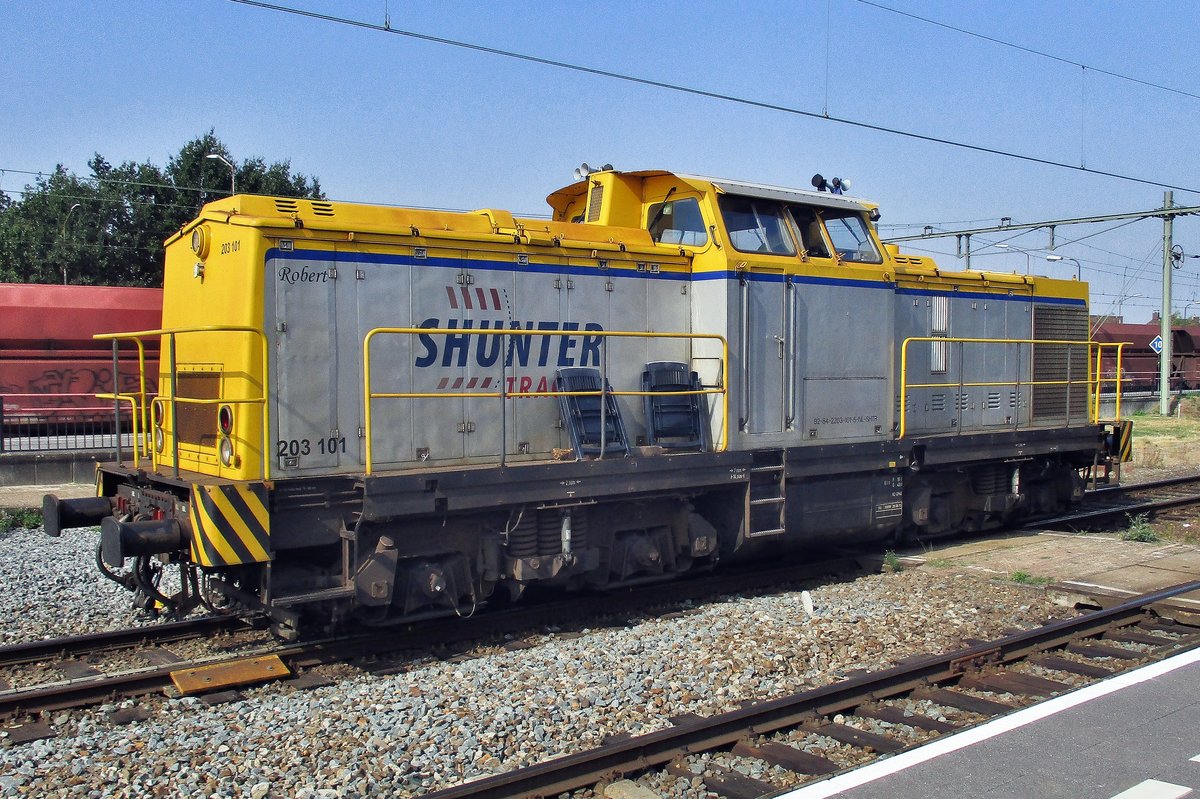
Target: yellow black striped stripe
[(1126, 433), (230, 524)]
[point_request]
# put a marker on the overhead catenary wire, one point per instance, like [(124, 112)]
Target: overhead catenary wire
[(1030, 50), (698, 92), (205, 190)]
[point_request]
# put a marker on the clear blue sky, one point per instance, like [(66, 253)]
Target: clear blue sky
[(380, 117)]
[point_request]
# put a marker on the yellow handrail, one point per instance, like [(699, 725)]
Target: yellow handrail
[(369, 395), (137, 336), (1120, 347), (134, 432), (1093, 380)]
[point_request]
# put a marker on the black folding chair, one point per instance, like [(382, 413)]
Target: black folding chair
[(674, 421), (581, 414)]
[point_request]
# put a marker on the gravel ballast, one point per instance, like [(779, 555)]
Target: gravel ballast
[(439, 723), (53, 589)]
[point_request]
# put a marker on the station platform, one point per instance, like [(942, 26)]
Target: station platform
[(1076, 567), (15, 497), (1134, 736)]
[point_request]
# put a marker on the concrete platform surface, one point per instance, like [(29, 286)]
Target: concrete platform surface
[(1130, 737), (14, 497), (1078, 563)]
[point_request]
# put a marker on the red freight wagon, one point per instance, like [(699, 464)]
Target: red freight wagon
[(50, 367), (1139, 363)]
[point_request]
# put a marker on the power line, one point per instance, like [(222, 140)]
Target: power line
[(211, 190), (119, 181), (604, 73), (889, 225), (1030, 50), (106, 200)]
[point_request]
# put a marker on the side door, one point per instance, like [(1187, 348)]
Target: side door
[(302, 292), (486, 306), (765, 345)]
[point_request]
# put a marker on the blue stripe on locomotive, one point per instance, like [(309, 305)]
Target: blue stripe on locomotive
[(584, 271)]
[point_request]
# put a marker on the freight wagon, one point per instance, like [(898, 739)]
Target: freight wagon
[(51, 369), (1139, 361)]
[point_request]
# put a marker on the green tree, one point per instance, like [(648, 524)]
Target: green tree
[(108, 228), (1179, 320)]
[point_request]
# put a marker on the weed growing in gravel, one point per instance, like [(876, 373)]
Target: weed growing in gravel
[(1025, 578), (1139, 529), (891, 562), (17, 519)]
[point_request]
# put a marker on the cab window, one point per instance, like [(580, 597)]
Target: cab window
[(808, 230), (677, 222), (756, 226), (850, 237)]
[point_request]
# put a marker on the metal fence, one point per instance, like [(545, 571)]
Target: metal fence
[(67, 429)]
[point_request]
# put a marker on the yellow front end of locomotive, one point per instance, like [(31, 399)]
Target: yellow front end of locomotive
[(211, 412)]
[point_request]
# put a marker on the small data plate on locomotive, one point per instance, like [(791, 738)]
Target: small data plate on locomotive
[(224, 675)]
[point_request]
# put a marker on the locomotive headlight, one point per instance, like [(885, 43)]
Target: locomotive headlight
[(226, 452), (225, 420), (160, 439), (200, 241)]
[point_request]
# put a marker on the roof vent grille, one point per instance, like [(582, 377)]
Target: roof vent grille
[(594, 201)]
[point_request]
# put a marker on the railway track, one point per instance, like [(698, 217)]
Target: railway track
[(74, 673), (792, 740), (1115, 504), (370, 651), (80, 646)]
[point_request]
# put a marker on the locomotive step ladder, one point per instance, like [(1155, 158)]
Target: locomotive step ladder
[(766, 499)]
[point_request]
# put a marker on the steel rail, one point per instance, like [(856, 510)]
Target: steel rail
[(1133, 506), (432, 632), (659, 748), (423, 634), (1126, 488), (74, 645)]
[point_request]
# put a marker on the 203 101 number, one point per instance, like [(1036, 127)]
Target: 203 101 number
[(298, 447)]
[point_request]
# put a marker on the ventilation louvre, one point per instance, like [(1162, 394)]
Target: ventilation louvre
[(595, 199), (1058, 362)]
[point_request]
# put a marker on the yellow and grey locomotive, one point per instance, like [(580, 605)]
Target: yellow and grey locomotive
[(387, 413)]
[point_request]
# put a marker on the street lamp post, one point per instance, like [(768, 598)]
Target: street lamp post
[(1056, 258), (232, 170), (1017, 249), (1186, 305), (1121, 304), (62, 236)]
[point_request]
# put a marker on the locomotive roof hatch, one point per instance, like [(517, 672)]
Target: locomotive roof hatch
[(614, 198), (767, 192), (562, 197)]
